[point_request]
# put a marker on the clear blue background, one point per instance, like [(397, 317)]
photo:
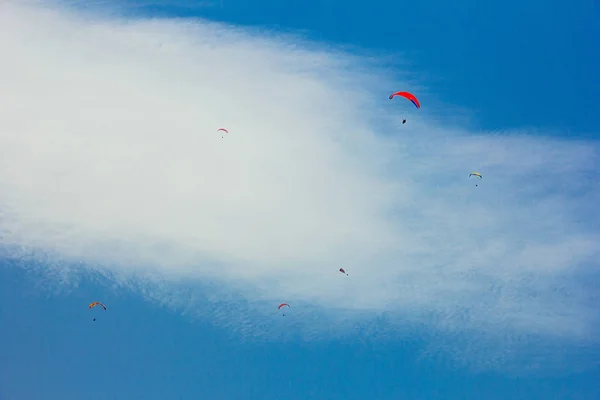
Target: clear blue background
[(513, 63)]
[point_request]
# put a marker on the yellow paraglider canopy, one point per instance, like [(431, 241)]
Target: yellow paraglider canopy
[(477, 174)]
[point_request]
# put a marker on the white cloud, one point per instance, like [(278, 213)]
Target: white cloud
[(109, 155)]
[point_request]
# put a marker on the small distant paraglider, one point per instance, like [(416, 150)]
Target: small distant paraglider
[(222, 130), (476, 174), (343, 271), (96, 303), (283, 305), (413, 99)]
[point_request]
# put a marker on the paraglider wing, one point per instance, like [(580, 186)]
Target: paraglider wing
[(477, 174), (281, 305), (343, 271), (413, 99), (97, 303)]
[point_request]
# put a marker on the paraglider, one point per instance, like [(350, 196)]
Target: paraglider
[(343, 271), (222, 130), (96, 303), (477, 174), (413, 99), (283, 305)]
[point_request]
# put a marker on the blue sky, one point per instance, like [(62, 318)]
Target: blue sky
[(51, 349), (512, 64), (112, 193)]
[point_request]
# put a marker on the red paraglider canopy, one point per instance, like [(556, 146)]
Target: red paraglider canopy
[(408, 96)]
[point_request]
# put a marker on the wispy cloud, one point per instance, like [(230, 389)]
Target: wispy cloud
[(109, 156)]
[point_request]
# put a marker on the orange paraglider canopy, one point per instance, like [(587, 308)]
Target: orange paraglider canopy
[(97, 303)]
